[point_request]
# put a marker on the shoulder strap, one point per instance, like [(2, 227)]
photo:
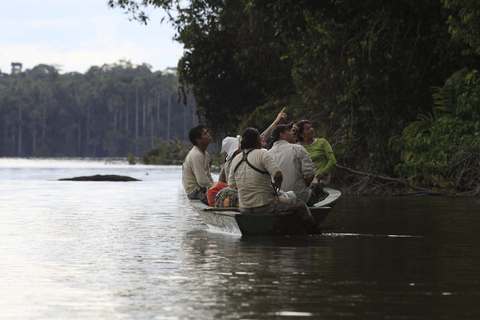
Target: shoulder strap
[(245, 158)]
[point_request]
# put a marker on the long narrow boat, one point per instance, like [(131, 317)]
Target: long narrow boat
[(283, 223)]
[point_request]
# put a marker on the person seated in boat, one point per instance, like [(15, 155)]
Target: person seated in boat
[(196, 176), (230, 148), (319, 150), (297, 167), (252, 173)]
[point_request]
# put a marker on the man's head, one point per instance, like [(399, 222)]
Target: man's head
[(250, 139), (199, 135), (284, 132)]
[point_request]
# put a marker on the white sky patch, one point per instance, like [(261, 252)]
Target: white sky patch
[(79, 34)]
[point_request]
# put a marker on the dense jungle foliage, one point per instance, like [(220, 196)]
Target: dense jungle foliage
[(109, 111), (380, 80)]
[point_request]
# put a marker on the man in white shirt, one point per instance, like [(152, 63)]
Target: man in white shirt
[(296, 165), (196, 177)]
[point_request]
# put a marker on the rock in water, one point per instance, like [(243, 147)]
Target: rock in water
[(100, 177)]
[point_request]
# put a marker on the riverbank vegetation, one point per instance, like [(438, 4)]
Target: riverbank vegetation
[(392, 85)]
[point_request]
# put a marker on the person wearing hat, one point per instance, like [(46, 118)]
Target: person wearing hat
[(266, 135), (230, 148), (252, 173), (296, 165)]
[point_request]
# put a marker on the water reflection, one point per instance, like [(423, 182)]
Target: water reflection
[(103, 251), (400, 265)]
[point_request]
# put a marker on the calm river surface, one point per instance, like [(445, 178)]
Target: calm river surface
[(137, 250)]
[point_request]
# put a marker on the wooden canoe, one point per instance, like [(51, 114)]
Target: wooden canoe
[(283, 223)]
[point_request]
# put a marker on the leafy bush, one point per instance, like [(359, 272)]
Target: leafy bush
[(166, 152), (442, 149)]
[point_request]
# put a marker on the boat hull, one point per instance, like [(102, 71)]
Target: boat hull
[(282, 223)]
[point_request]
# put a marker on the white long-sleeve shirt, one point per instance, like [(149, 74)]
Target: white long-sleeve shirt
[(196, 170), (296, 166)]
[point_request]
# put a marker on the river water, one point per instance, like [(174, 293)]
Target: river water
[(137, 250)]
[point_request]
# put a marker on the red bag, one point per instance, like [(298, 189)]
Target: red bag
[(212, 192)]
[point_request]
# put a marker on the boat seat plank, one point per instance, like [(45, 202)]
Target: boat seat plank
[(235, 209)]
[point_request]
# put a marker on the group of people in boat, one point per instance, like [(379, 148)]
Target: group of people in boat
[(283, 169)]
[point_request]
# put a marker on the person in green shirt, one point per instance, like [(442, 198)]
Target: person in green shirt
[(319, 150)]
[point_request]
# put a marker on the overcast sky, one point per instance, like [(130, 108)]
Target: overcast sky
[(74, 35)]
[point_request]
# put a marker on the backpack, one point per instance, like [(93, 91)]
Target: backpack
[(226, 197), (213, 191)]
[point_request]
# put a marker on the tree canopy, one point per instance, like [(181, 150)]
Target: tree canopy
[(360, 71)]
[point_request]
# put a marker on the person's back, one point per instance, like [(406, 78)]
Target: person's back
[(252, 173), (297, 168), (254, 188), (296, 165)]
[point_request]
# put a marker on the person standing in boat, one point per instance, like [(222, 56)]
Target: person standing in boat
[(196, 176), (297, 167), (252, 173), (320, 152)]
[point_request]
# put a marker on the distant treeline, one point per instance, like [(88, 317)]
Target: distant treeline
[(109, 111)]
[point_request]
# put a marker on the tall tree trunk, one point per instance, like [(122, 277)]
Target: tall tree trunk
[(115, 123), (44, 120), (185, 123), (34, 138), (158, 107), (136, 114), (88, 126), (14, 139), (152, 134), (194, 116), (19, 129), (144, 115), (79, 138), (168, 119), (136, 120), (126, 113)]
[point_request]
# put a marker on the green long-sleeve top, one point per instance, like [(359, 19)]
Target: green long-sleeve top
[(322, 155)]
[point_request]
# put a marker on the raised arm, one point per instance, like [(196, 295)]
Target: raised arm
[(282, 116)]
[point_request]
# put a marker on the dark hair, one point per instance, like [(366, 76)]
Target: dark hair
[(301, 127), (196, 133), (249, 138), (270, 143)]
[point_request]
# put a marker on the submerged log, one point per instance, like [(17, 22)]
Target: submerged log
[(389, 182), (99, 177)]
